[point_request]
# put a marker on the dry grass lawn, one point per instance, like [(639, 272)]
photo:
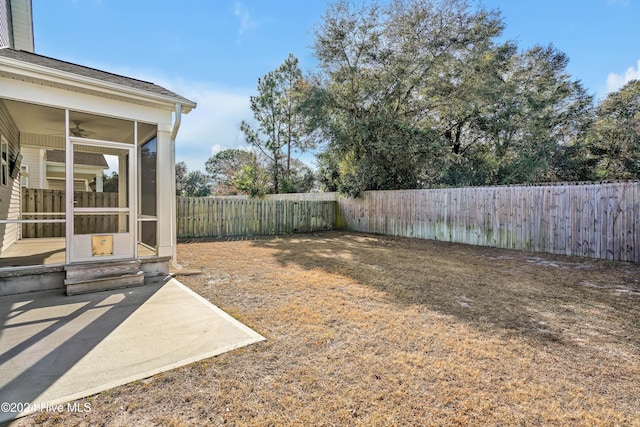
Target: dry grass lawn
[(378, 331)]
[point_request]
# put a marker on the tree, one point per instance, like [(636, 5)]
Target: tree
[(252, 179), (295, 91), (301, 178), (421, 93), (613, 140), (383, 68), (197, 184), (522, 126), (471, 77), (181, 178), (539, 111), (280, 122), (110, 182), (268, 112), (223, 168)]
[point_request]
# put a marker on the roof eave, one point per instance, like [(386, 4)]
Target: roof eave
[(63, 77)]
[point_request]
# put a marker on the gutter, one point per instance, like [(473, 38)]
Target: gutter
[(172, 187)]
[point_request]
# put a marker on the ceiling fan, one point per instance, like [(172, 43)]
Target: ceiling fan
[(78, 132)]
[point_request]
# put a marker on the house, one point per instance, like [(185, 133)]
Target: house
[(63, 127), (44, 169)]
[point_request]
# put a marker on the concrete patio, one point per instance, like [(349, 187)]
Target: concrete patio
[(56, 348)]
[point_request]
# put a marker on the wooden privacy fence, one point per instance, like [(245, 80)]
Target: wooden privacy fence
[(236, 216), (599, 220), (594, 220), (50, 204)]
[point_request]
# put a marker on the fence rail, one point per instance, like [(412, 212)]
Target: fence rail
[(217, 216), (592, 220)]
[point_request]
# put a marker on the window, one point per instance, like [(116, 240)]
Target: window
[(4, 161)]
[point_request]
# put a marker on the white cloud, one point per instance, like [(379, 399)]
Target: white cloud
[(246, 23), (216, 148), (616, 81), (213, 126)]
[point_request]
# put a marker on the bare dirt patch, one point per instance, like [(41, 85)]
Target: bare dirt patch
[(372, 330)]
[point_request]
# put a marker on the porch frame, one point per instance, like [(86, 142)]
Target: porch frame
[(36, 84)]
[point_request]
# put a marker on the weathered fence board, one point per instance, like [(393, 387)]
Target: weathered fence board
[(600, 220), (50, 204), (236, 216)]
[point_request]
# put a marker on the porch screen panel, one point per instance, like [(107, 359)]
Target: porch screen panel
[(103, 176), (100, 177), (149, 194), (32, 220), (88, 223)]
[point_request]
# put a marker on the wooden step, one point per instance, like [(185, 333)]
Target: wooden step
[(102, 269), (84, 285), (102, 276)]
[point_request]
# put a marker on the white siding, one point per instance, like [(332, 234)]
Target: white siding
[(59, 184), (32, 157), (12, 231), (55, 184), (42, 141), (22, 25), (9, 194)]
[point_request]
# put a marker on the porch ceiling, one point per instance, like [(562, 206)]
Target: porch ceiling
[(38, 119), (43, 120)]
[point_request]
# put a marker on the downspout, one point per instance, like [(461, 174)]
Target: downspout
[(172, 187)]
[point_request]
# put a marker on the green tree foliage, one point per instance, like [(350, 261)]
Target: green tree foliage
[(421, 93), (194, 183), (181, 178), (296, 89), (110, 182), (198, 184), (540, 111), (374, 64), (252, 179), (277, 111), (613, 140), (426, 93), (236, 171), (223, 168), (470, 80), (301, 178), (267, 111)]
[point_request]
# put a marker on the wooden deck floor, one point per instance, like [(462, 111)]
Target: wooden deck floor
[(45, 251)]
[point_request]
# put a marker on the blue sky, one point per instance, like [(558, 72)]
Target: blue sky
[(213, 52)]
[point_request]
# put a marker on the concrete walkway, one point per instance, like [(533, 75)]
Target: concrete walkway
[(55, 348)]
